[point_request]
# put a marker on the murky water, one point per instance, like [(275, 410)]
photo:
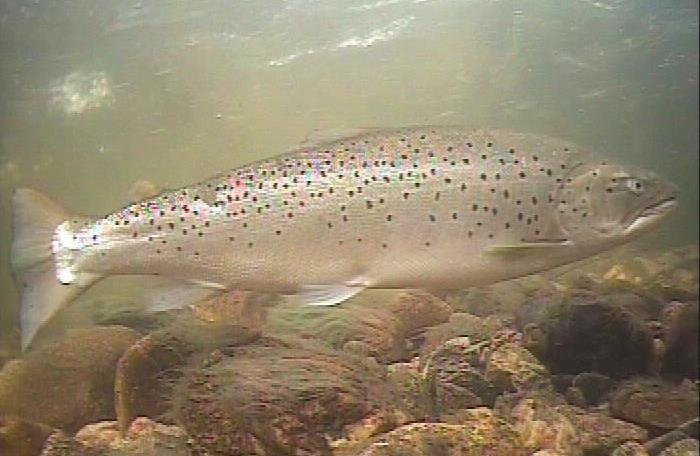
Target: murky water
[(95, 95)]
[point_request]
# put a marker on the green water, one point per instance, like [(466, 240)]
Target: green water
[(96, 95)]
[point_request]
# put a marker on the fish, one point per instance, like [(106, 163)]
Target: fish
[(435, 208)]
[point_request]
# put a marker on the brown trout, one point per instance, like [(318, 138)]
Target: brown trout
[(422, 207)]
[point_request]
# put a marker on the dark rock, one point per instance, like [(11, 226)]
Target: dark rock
[(655, 405), (589, 334), (22, 438), (562, 382), (276, 397), (681, 354), (594, 386), (69, 383), (574, 396)]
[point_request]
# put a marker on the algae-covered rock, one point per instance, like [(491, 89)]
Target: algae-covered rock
[(22, 438), (410, 388), (654, 404), (685, 447), (148, 369), (144, 437), (275, 397), (69, 383), (600, 434), (460, 324), (479, 433), (541, 424), (383, 321), (511, 367), (453, 376), (681, 344), (630, 449)]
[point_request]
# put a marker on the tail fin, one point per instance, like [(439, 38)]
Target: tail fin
[(35, 219)]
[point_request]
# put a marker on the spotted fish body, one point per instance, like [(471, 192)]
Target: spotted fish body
[(405, 208)]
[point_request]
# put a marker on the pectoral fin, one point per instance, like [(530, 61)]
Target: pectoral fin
[(331, 294)]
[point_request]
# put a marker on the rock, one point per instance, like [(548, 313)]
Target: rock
[(540, 424), (589, 334), (275, 397), (409, 385), (599, 434), (59, 444), (680, 357), (630, 449), (500, 298), (685, 447), (384, 321), (655, 405), (148, 369), (511, 367), (79, 369), (356, 435), (684, 431), (545, 422), (22, 438), (593, 386), (144, 437), (574, 396), (479, 433), (454, 379), (460, 324)]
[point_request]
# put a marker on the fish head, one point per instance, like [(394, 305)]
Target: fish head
[(610, 203)]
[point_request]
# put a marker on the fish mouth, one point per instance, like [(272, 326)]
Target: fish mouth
[(652, 213)]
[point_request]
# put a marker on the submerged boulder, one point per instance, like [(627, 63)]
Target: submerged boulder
[(587, 333), (22, 438), (656, 405), (275, 397), (69, 383), (384, 323)]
